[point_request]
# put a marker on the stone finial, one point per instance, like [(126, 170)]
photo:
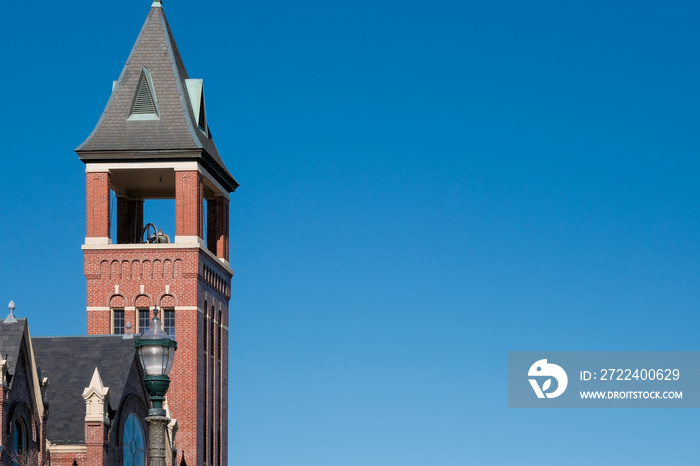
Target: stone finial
[(3, 372), (10, 319), (157, 4), (96, 397), (43, 383), (127, 334)]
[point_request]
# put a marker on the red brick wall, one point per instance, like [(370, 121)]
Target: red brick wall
[(66, 459), (189, 198), (97, 205), (96, 442), (192, 276), (224, 391)]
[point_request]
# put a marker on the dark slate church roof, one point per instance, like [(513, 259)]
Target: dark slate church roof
[(175, 135), (10, 343), (69, 363)]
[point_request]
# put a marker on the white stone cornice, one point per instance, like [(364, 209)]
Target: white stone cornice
[(107, 167), (94, 240), (188, 240), (66, 448)]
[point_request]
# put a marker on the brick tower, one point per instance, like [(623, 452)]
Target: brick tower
[(153, 142)]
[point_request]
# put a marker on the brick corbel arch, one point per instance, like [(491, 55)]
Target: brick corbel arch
[(169, 298), (148, 297), (121, 295)]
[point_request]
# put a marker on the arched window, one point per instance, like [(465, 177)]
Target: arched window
[(19, 437), (133, 441)]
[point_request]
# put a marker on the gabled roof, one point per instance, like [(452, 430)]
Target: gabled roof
[(13, 336), (173, 132), (10, 342), (69, 363)]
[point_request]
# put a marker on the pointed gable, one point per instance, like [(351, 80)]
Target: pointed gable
[(69, 362), (18, 361), (150, 113)]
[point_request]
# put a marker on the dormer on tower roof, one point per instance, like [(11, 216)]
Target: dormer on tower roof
[(155, 112)]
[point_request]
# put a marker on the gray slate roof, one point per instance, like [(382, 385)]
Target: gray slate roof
[(175, 135), (10, 343), (69, 363)]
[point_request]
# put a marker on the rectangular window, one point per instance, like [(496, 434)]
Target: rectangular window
[(220, 333), (144, 320), (206, 408), (118, 321), (169, 322), (218, 443), (211, 447), (205, 332), (211, 333)]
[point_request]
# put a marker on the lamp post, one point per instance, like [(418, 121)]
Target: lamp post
[(156, 351)]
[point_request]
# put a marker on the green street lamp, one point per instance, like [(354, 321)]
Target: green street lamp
[(156, 351)]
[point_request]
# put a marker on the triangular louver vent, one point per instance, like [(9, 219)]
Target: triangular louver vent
[(144, 100), (145, 105)]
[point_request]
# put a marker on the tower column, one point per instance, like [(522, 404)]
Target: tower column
[(97, 205), (217, 226), (189, 199), (223, 239)]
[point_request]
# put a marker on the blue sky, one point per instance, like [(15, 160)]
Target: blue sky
[(425, 186)]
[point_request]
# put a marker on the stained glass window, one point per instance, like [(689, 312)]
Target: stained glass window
[(133, 441), (19, 437)]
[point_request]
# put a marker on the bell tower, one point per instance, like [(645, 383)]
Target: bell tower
[(153, 141)]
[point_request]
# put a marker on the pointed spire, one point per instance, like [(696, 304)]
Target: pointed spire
[(96, 397), (96, 382), (152, 115)]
